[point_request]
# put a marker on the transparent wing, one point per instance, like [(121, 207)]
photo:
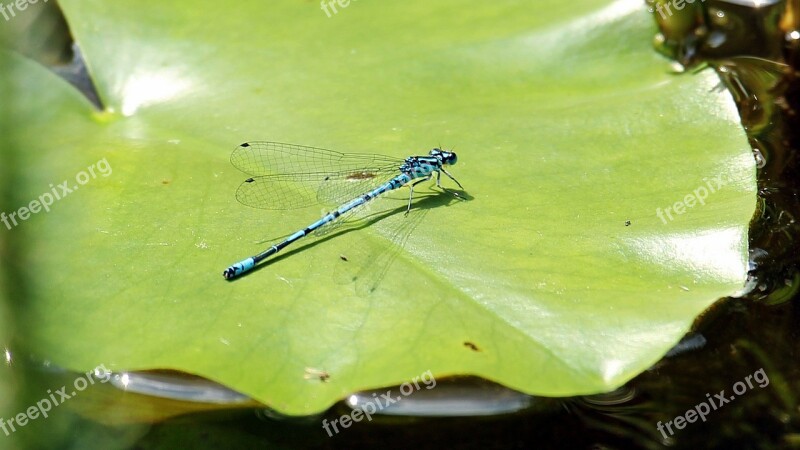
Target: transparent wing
[(292, 191), (277, 192), (292, 176), (341, 187), (272, 158)]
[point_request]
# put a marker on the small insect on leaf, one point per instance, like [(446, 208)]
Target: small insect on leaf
[(361, 176), (321, 375), (471, 346)]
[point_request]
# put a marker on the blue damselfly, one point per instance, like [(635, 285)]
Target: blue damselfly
[(287, 176)]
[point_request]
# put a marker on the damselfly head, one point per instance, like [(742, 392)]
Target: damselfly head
[(447, 158)]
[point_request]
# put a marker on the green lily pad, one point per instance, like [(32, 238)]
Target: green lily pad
[(554, 276)]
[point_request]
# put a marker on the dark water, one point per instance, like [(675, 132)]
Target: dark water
[(746, 347)]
